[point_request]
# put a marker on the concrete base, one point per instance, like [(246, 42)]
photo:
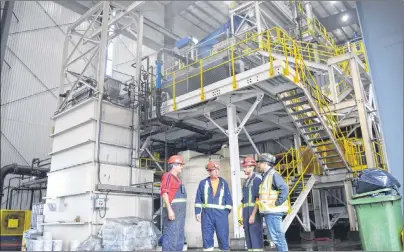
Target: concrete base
[(307, 237), (324, 233), (354, 236), (237, 244)]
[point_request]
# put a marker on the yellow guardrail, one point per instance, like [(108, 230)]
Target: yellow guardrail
[(146, 163)]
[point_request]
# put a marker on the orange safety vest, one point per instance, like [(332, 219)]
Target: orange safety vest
[(268, 196)]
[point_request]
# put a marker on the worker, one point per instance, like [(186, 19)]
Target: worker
[(213, 203), (174, 204), (252, 220), (273, 202)]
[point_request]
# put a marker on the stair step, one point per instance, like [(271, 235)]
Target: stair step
[(317, 124), (306, 118), (318, 139), (318, 152), (333, 162), (336, 168), (314, 132), (328, 157), (322, 144), (296, 104), (299, 112), (294, 96)]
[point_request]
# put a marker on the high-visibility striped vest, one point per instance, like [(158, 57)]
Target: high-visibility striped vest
[(268, 196), (250, 201), (220, 201)]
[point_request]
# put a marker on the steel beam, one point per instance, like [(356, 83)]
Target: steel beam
[(217, 125), (249, 137), (249, 112), (5, 28), (115, 19)]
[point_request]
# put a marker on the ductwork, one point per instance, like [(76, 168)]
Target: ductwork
[(21, 170), (172, 123)]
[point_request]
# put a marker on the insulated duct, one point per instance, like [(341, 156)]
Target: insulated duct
[(21, 170), (174, 123)]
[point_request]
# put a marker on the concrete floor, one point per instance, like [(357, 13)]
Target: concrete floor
[(335, 245)]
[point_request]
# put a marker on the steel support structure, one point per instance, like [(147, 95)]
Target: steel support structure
[(83, 45), (232, 132), (361, 102), (136, 104), (353, 221)]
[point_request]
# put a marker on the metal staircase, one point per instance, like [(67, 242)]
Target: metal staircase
[(298, 194), (317, 129)]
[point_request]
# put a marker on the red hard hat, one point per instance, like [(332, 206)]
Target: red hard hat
[(212, 165), (175, 159), (248, 161)]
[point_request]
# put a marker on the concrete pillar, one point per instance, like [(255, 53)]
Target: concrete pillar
[(382, 31)]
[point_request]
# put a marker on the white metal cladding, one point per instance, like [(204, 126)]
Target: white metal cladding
[(81, 205), (31, 69)]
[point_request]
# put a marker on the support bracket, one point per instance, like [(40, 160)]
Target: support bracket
[(249, 113), (207, 115)]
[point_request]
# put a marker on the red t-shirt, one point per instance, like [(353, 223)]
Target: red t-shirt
[(170, 185)]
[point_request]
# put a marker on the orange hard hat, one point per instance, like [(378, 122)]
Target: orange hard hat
[(175, 159), (248, 161), (212, 165)]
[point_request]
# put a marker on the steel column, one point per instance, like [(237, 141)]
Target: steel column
[(234, 164), (362, 112), (317, 208), (100, 81), (325, 214), (136, 104), (5, 28), (353, 222)]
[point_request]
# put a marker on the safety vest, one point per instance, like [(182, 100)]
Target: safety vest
[(250, 201), (206, 198), (268, 196)]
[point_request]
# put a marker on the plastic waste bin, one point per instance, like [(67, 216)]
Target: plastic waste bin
[(380, 220)]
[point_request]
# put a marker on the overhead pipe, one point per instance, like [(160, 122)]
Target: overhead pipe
[(175, 123), (21, 170)]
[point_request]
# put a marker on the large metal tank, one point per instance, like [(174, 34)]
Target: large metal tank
[(193, 172)]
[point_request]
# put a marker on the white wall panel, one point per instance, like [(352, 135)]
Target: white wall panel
[(33, 62)]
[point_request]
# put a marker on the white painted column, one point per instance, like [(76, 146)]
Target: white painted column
[(234, 164), (360, 102)]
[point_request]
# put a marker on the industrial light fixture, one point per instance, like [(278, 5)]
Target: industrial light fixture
[(345, 18), (333, 2), (227, 2)]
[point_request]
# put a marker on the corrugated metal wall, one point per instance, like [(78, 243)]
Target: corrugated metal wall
[(29, 82)]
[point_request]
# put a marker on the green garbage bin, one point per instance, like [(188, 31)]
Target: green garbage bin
[(380, 221)]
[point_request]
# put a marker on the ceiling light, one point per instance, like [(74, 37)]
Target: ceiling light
[(227, 2), (333, 2), (345, 18)]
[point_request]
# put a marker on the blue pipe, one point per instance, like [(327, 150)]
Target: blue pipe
[(158, 74)]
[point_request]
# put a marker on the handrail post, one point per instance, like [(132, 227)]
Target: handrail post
[(201, 75), (271, 60), (174, 95), (234, 84)]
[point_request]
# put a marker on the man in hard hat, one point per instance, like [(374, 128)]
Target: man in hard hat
[(174, 204), (252, 220), (213, 204), (273, 200)]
